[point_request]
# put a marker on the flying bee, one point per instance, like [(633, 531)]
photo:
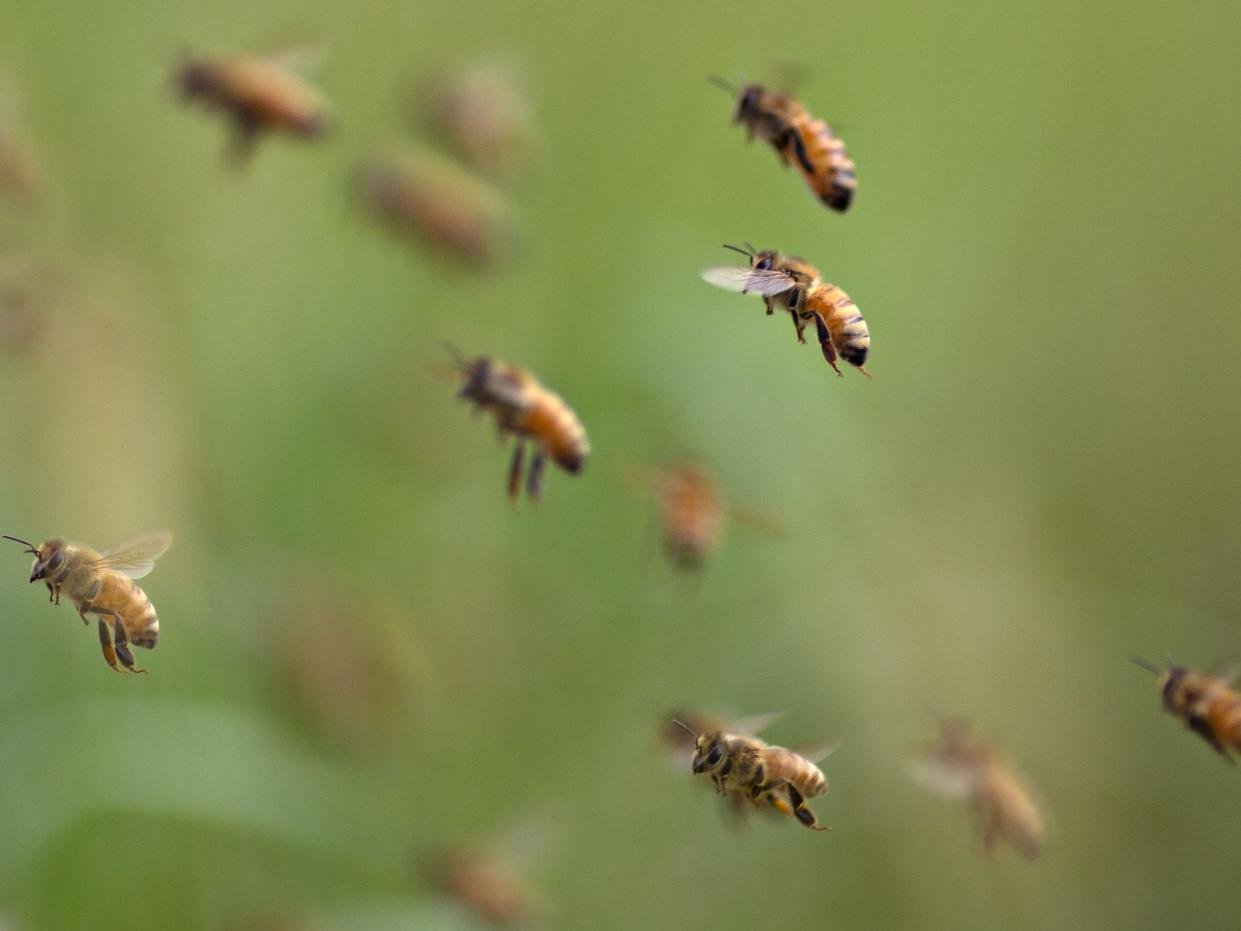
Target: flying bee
[(258, 93), (488, 885), (480, 113), (799, 139), (1207, 705), (691, 509), (103, 584), (525, 409), (792, 284), (962, 766), (762, 773)]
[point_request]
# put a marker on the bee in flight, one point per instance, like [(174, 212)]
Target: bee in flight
[(525, 409), (962, 766), (1207, 705), (792, 284), (103, 584), (799, 139), (481, 114), (761, 773), (258, 93)]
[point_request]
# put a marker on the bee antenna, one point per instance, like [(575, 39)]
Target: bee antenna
[(29, 546), (1171, 663), (749, 254), (685, 727), (1148, 665), (721, 83), (458, 357)]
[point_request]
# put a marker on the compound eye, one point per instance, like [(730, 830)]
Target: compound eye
[(716, 754), (55, 562), (763, 264)]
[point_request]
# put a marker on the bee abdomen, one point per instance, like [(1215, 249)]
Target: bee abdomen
[(559, 431)]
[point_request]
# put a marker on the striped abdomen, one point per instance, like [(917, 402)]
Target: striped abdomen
[(550, 422), (785, 764), (845, 325), (1222, 711), (692, 515), (123, 595), (827, 168)]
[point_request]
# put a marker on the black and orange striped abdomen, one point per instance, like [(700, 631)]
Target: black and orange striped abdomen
[(123, 595), (827, 168), (551, 423), (1223, 716), (849, 334)]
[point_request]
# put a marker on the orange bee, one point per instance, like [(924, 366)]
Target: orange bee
[(1207, 705), (480, 113), (487, 884), (525, 409), (799, 139), (258, 93), (691, 509)]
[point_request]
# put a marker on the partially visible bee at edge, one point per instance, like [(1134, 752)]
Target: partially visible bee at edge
[(764, 774), (479, 112), (793, 284), (1206, 705), (103, 584), (436, 201), (526, 410), (258, 93), (798, 138), (963, 766)]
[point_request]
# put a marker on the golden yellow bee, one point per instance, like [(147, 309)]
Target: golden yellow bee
[(962, 766), (691, 509), (792, 284), (103, 584), (798, 139), (489, 886), (525, 409), (1207, 705), (761, 772), (480, 114), (258, 93), (436, 201)]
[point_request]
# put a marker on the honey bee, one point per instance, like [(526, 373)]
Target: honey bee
[(691, 509), (962, 766), (488, 885), (103, 584), (795, 285), (799, 139), (525, 409), (1207, 705), (438, 202), (479, 113), (258, 93), (762, 773)]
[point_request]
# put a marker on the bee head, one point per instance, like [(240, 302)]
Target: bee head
[(1178, 687), (49, 556), (194, 77), (708, 752), (748, 103), (475, 375)]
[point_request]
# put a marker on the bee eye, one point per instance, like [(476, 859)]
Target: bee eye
[(764, 264), (714, 756), (55, 562)]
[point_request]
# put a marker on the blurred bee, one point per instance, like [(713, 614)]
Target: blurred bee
[(792, 284), (19, 172), (762, 773), (1207, 705), (691, 509), (525, 409), (258, 93), (434, 200), (103, 584), (488, 885), (479, 113), (962, 766), (799, 139)]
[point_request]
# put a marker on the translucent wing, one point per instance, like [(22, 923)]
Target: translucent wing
[(940, 777), (816, 753), (137, 557), (766, 282), (755, 724)]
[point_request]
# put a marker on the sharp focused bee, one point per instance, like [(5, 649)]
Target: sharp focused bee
[(528, 411), (1207, 705), (799, 139), (103, 584), (258, 93), (962, 766), (438, 202), (762, 773), (792, 284)]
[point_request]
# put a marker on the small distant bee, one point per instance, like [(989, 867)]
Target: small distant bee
[(19, 172), (525, 409), (479, 113), (103, 584), (795, 285), (960, 765), (258, 92), (763, 773), (1207, 705), (434, 200), (488, 886), (691, 509), (799, 139)]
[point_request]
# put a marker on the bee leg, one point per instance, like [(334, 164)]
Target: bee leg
[(120, 642), (514, 470), (800, 811), (241, 144), (791, 137), (535, 475), (105, 641), (825, 343)]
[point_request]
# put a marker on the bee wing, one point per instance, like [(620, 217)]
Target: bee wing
[(820, 751), (137, 557), (755, 724), (943, 778), (766, 282)]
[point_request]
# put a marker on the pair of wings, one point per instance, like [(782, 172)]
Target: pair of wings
[(767, 282), (137, 557)]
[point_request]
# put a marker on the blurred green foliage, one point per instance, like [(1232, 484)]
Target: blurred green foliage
[(367, 654)]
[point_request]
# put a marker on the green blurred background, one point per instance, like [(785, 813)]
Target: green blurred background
[(367, 654)]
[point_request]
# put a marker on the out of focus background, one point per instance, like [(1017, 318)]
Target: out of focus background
[(368, 658)]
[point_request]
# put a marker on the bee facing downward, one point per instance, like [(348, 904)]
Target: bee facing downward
[(103, 584), (792, 284), (524, 408), (1207, 705), (799, 139), (763, 773)]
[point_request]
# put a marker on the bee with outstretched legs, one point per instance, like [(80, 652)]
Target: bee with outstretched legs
[(793, 284), (103, 584), (764, 774), (1207, 705), (526, 410)]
